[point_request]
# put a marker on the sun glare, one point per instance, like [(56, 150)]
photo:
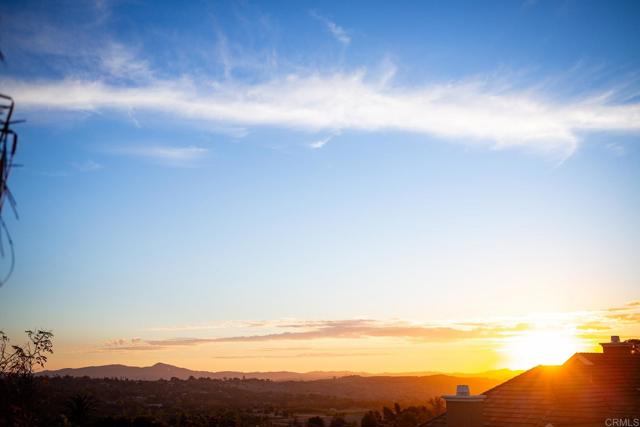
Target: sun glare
[(540, 347)]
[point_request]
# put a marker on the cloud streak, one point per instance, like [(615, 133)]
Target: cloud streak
[(319, 143), (589, 326), (295, 356), (339, 33), (335, 329), (469, 112), (120, 62), (166, 155), (87, 166)]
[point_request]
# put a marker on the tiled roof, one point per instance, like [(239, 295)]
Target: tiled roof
[(584, 391)]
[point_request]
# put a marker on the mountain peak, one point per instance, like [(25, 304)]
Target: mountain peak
[(162, 365)]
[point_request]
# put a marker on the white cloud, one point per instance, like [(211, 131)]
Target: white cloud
[(472, 112), (319, 143), (166, 155), (336, 31)]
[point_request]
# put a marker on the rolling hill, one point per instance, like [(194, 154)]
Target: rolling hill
[(166, 371)]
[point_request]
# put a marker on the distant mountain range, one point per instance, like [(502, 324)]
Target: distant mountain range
[(165, 371)]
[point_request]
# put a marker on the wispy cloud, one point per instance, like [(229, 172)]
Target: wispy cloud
[(470, 111), (84, 49), (319, 143), (354, 329), (627, 307), (223, 53), (87, 166), (121, 62), (185, 157), (346, 329), (131, 344), (225, 324), (588, 326), (617, 149), (317, 354), (336, 31)]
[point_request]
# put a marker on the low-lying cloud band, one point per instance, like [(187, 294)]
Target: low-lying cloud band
[(587, 325)]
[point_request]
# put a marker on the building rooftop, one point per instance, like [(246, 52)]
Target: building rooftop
[(585, 391)]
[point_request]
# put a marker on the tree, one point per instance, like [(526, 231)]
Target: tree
[(79, 407), (338, 421), (369, 419), (436, 406), (315, 422), (21, 360), (17, 388), (408, 418), (388, 415)]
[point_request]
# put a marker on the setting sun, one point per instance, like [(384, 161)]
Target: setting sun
[(540, 347)]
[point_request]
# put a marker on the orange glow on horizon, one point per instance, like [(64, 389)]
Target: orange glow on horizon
[(374, 346)]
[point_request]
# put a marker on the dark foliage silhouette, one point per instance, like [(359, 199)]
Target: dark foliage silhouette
[(18, 387), (315, 422), (79, 409), (370, 419), (338, 421)]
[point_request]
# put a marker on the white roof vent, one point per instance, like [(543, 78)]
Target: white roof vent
[(462, 390)]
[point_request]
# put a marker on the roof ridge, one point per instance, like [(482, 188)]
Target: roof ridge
[(529, 371), (554, 388)]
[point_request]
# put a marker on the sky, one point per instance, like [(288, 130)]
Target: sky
[(367, 186)]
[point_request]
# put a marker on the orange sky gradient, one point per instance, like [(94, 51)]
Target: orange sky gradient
[(362, 345)]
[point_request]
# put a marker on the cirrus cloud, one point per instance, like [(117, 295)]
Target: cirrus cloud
[(469, 111), (167, 155)]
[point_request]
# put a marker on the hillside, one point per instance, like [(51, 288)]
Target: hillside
[(341, 385), (165, 371)]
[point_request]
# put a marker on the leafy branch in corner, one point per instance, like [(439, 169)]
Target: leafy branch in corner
[(18, 360)]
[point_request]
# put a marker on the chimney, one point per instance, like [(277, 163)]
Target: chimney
[(464, 409), (616, 347)]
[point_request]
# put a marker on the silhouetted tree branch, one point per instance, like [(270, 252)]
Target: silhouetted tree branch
[(21, 360), (17, 386)]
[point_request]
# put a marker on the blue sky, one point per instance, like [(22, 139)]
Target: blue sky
[(191, 166)]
